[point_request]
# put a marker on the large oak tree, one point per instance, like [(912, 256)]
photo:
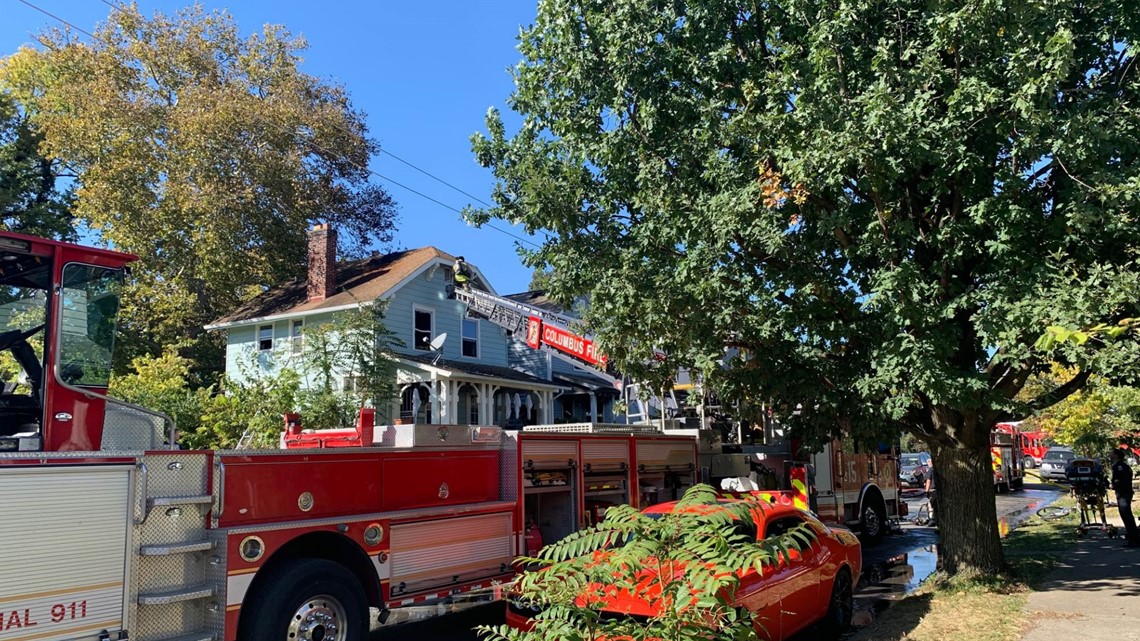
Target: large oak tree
[(205, 152), (882, 205)]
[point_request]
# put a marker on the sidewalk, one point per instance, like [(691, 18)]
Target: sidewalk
[(1093, 594)]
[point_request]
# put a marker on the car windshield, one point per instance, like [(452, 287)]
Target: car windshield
[(1058, 455), (911, 459)]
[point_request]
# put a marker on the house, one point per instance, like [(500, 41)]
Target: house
[(477, 374)]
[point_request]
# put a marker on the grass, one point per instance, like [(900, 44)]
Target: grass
[(950, 610)]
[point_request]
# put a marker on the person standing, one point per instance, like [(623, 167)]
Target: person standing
[(930, 488), (1122, 485)]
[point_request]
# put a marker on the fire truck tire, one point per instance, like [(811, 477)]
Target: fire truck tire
[(873, 520), (307, 600), (840, 607)]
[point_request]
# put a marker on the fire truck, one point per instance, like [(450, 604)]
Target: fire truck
[(1006, 450), (1033, 449), (121, 535)]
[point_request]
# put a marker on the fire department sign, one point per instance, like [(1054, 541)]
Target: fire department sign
[(539, 333)]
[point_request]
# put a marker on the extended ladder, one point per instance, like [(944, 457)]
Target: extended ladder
[(515, 317)]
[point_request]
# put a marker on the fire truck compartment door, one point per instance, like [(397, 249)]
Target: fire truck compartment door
[(443, 552), (65, 532), (605, 455), (549, 454), (659, 456)]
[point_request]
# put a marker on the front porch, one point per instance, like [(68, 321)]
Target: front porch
[(443, 392)]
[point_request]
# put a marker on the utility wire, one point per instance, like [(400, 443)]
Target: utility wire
[(434, 177), (349, 160), (55, 17)]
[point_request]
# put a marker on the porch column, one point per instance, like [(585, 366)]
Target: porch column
[(489, 404), (593, 407), (446, 416), (433, 396), (548, 408)]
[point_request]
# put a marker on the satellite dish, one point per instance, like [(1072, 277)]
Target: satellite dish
[(438, 341)]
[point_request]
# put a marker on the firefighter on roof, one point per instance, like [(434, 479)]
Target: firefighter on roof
[(462, 276)]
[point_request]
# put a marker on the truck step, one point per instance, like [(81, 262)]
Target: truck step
[(196, 499), (165, 597), (193, 636), (167, 549)]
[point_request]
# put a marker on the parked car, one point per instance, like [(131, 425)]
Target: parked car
[(1054, 461), (814, 587), (913, 468)]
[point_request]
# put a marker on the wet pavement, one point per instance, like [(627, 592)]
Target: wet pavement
[(893, 568)]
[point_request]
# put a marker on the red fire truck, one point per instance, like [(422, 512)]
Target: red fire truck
[(1006, 450), (118, 533), (1033, 449)]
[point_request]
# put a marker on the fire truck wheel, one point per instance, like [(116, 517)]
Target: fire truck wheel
[(873, 521), (840, 608), (307, 600)]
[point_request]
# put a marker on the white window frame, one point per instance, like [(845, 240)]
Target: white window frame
[(296, 342), (349, 383), (428, 310), (463, 339), (257, 337)]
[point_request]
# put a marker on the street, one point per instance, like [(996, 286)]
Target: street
[(894, 567)]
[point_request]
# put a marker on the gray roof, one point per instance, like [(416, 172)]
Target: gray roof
[(479, 369)]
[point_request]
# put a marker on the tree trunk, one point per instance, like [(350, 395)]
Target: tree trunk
[(966, 511)]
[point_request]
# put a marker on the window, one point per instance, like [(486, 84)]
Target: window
[(90, 305), (422, 333), (780, 527), (470, 338), (296, 336), (349, 384), (264, 338)]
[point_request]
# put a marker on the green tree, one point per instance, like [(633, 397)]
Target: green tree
[(206, 153), (32, 200), (691, 559), (1092, 420), (162, 383), (356, 348), (257, 404), (879, 205), (539, 280)]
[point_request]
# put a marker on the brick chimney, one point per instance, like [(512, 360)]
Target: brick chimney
[(322, 262)]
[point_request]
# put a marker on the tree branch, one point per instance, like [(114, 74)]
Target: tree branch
[(1048, 399)]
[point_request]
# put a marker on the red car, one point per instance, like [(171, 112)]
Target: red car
[(816, 586)]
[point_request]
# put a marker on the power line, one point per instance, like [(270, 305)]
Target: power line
[(55, 17), (434, 177), (349, 160)]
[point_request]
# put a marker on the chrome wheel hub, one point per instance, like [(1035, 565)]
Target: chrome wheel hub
[(871, 521), (320, 618)]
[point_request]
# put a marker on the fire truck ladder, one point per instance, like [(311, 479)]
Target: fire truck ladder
[(513, 315)]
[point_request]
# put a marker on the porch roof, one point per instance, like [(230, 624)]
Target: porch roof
[(585, 383), (477, 371)]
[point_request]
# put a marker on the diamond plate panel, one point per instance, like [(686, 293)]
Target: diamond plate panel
[(215, 616), (509, 467), (180, 474)]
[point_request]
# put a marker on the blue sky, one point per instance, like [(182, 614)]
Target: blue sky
[(423, 72)]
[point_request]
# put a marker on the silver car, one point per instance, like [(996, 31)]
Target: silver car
[(1054, 462)]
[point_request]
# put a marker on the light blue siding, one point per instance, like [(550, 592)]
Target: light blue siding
[(428, 291)]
